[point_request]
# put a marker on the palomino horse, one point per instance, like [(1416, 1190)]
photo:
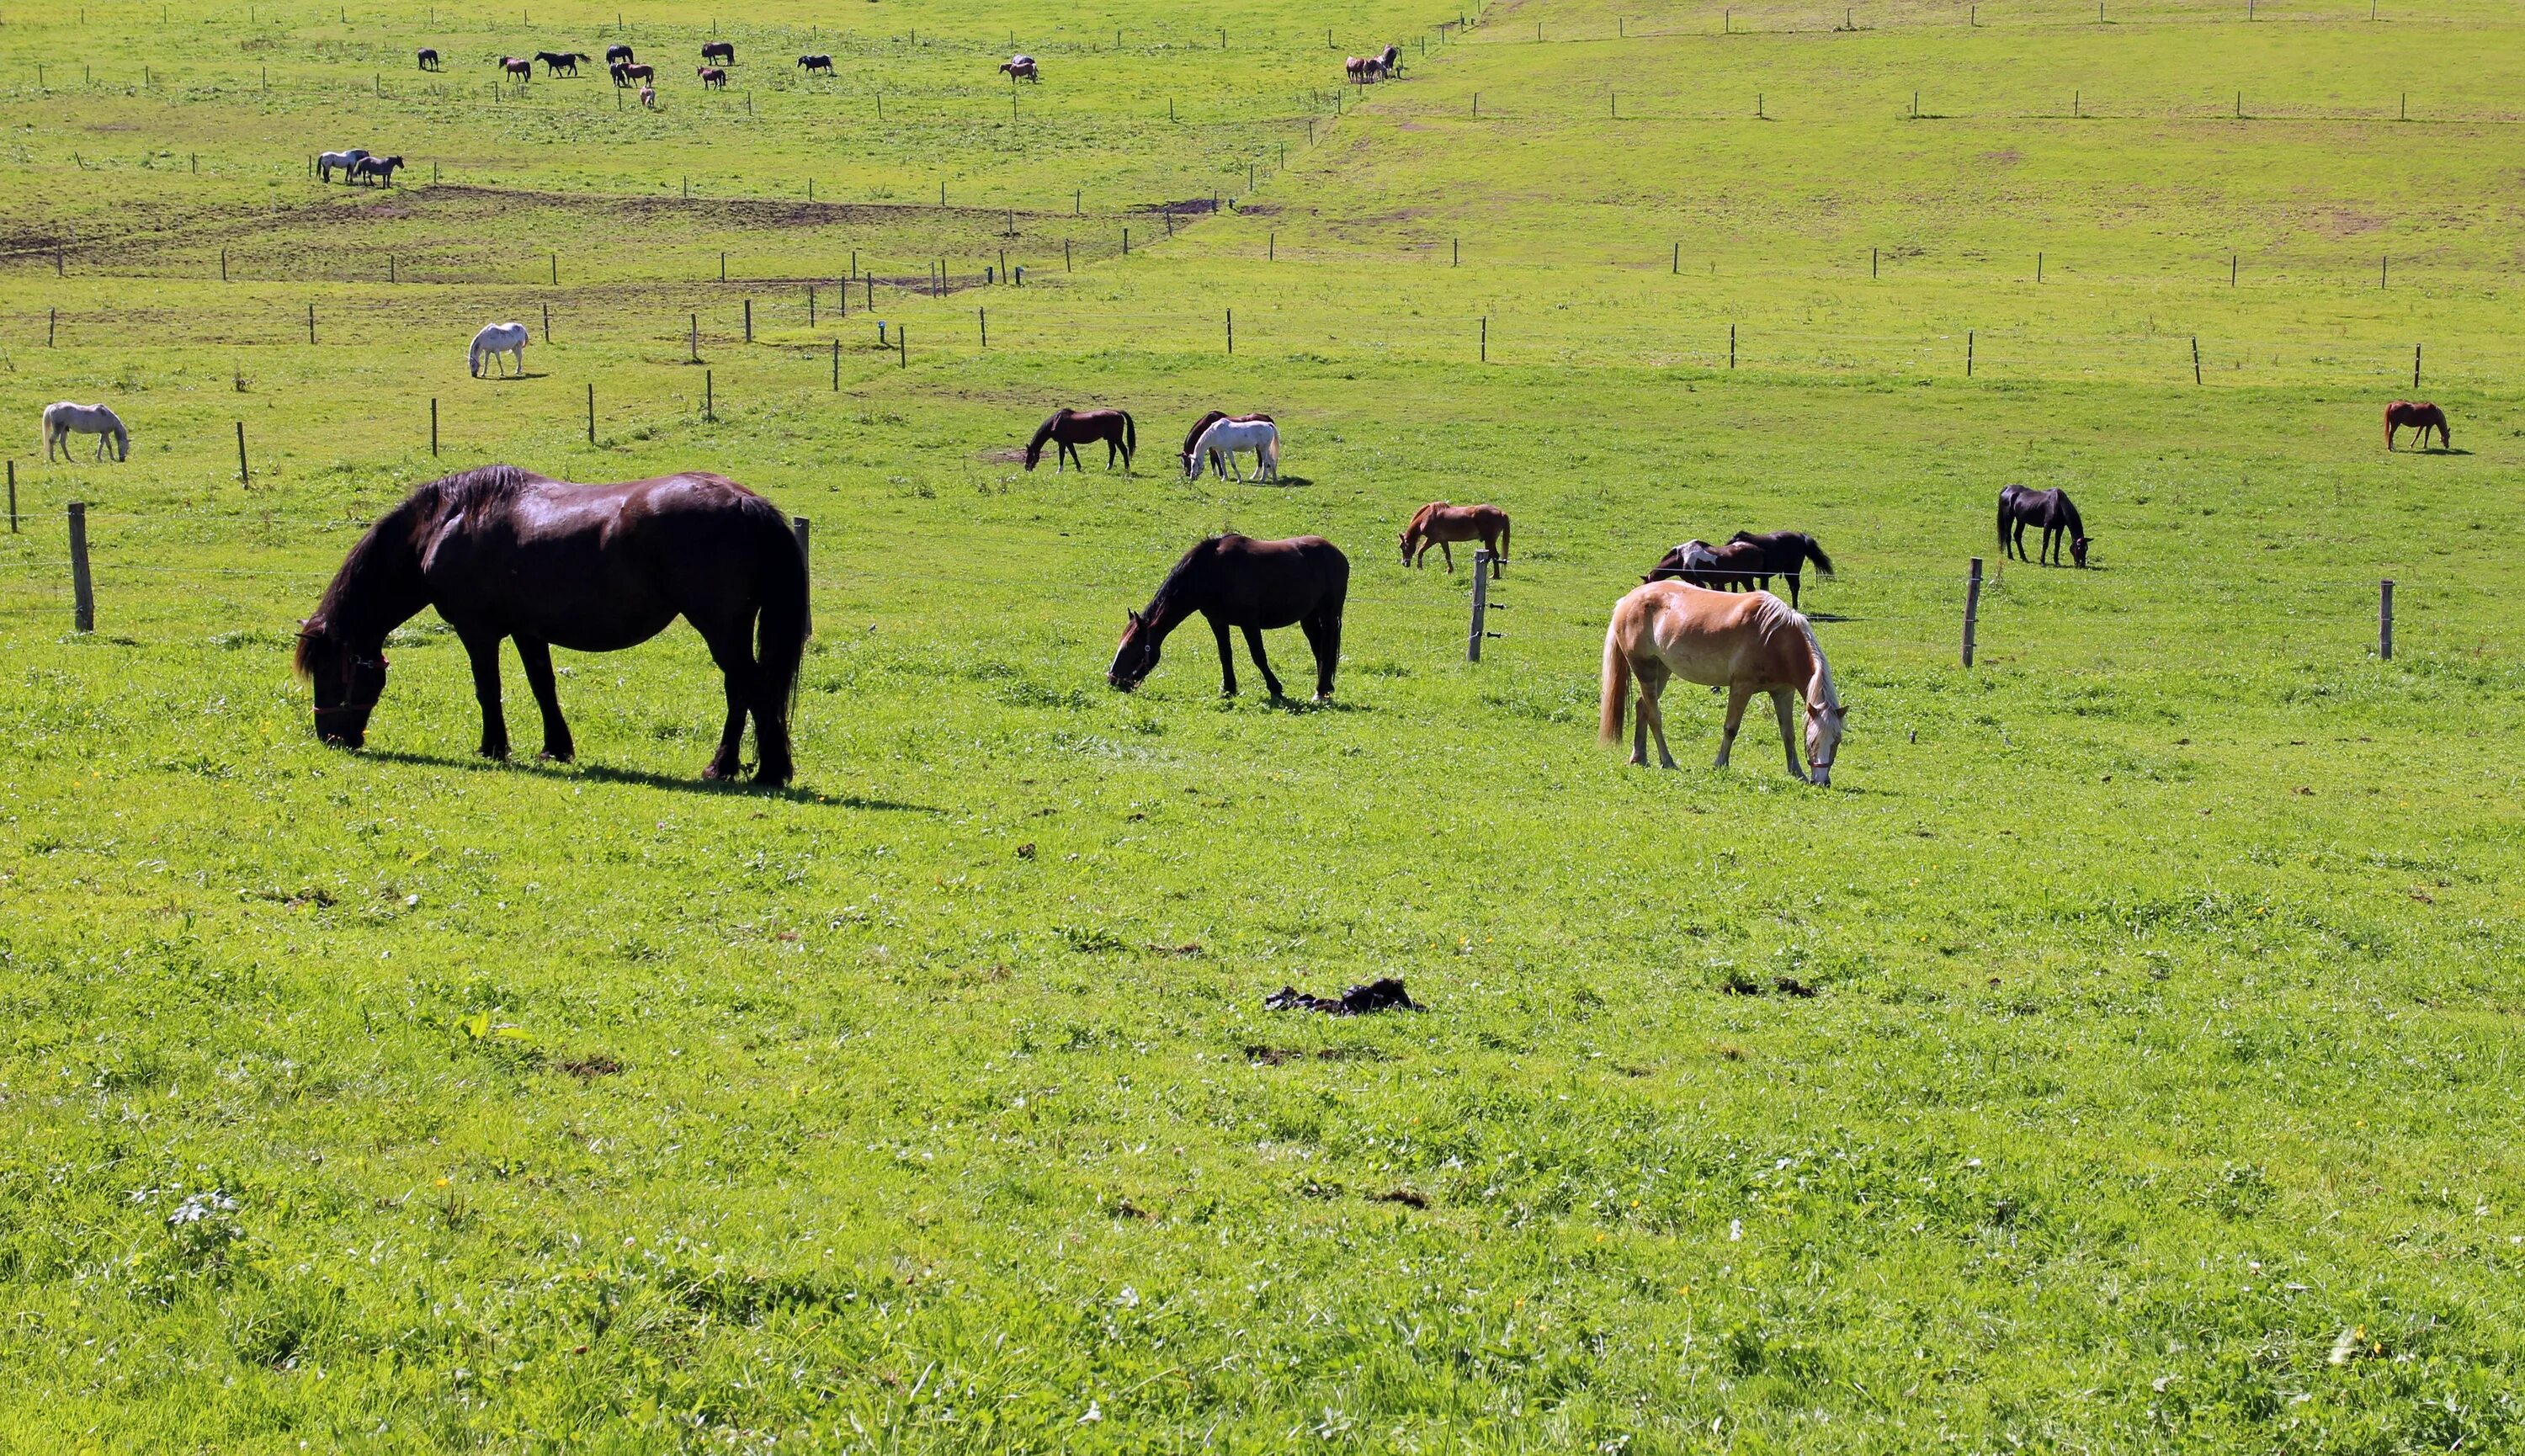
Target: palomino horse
[(497, 339), (1022, 68), (1746, 645), (714, 76), (1439, 523), (2019, 508), (503, 552), (561, 63), (1072, 428), (818, 62), (328, 163), (61, 419), (428, 58), (722, 51), (2422, 417), (1238, 581), (1785, 553), (1225, 439), (1192, 436)]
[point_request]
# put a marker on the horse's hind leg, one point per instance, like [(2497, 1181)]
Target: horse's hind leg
[(1323, 635), (483, 649), (1262, 664), (1652, 674), (1787, 736), (537, 654), (1448, 553), (728, 649)]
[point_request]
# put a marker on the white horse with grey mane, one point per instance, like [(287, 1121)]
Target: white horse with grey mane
[(61, 419), (497, 339), (330, 163), (1221, 444)]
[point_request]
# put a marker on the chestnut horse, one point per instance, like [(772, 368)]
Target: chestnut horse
[(1072, 428), (1238, 581), (1439, 523), (2019, 508), (503, 552), (1746, 645), (2422, 417)]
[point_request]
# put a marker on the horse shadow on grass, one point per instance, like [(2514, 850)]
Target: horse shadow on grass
[(643, 778), (532, 374)]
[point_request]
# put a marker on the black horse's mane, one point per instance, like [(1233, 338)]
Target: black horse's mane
[(1044, 433), (455, 494), (1184, 568)]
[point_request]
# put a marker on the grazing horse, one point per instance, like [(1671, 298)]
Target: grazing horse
[(503, 552), (1193, 436), (1225, 439), (1238, 581), (328, 163), (1745, 645), (1072, 428), (1022, 68), (722, 51), (63, 419), (1785, 553), (628, 72), (2019, 508), (497, 339), (712, 76), (2422, 417), (1738, 565), (1362, 68), (815, 62), (430, 60), (375, 169), (648, 97), (1692, 561), (520, 67), (561, 63), (617, 52), (1438, 523), (1390, 59)]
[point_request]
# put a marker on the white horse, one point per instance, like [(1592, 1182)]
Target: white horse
[(497, 339), (328, 163), (59, 419), (1221, 444)]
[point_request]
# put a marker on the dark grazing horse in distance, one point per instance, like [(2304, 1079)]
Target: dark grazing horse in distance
[(812, 64), (2422, 417), (430, 59), (1238, 581), (2019, 508), (1192, 437), (375, 170), (617, 52), (1738, 565), (1785, 553), (722, 51), (713, 75), (503, 552), (561, 63), (1438, 523), (1072, 428)]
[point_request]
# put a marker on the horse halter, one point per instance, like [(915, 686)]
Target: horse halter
[(352, 663)]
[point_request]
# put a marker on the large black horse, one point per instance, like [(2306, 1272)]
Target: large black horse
[(1238, 581), (503, 552), (2019, 508), (1785, 553)]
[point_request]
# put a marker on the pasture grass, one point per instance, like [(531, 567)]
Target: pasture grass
[(2154, 1090)]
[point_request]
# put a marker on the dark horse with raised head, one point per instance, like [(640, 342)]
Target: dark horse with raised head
[(1236, 580), (2019, 508), (1785, 553), (503, 552), (1072, 428), (2421, 416)]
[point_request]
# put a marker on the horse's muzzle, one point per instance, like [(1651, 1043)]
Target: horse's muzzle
[(342, 727)]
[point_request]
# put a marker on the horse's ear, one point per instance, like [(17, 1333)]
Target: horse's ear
[(1134, 615)]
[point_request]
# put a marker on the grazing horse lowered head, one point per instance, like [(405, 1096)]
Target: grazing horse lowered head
[(1192, 436), (1072, 428), (1439, 523), (816, 63), (61, 419), (1022, 68), (1225, 439), (375, 169), (2019, 508), (502, 552), (713, 75), (1746, 644), (1362, 68), (722, 51), (1738, 565), (2420, 416), (494, 340), (1234, 580), (327, 163), (430, 60), (617, 52)]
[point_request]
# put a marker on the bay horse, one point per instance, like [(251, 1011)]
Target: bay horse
[(1438, 523), (66, 418), (617, 52), (561, 63), (1022, 68), (722, 51), (1192, 437), (1750, 644), (1072, 428), (2422, 417), (713, 75), (2019, 508), (812, 64), (627, 71), (1238, 581), (428, 58), (1785, 553), (1738, 565), (503, 552)]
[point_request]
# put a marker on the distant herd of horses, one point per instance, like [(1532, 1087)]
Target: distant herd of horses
[(628, 71)]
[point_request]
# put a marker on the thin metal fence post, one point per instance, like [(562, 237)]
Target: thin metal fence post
[(797, 525), (13, 497), (591, 414), (2196, 359), (837, 364), (547, 323), (2385, 622), (1481, 605), (243, 477), (434, 427), (1972, 608), (2415, 366), (749, 320), (82, 589)]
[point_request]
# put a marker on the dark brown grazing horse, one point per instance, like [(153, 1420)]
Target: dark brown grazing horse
[(1192, 437), (2422, 417), (617, 52), (722, 51), (2019, 508), (520, 67), (561, 63), (503, 552), (1072, 428), (627, 71), (1738, 565), (430, 59), (1785, 553), (1439, 523), (713, 75), (1238, 581)]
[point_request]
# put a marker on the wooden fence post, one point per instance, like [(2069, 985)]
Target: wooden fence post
[(797, 525), (2196, 359), (1968, 353), (1481, 605), (1232, 333), (310, 322), (1731, 346), (13, 497), (749, 320), (2415, 366), (2384, 619), (82, 590), (1486, 338), (901, 347), (983, 318), (810, 305), (547, 323), (434, 427), (837, 363), (1972, 608), (591, 414), (696, 338), (709, 405), (244, 478)]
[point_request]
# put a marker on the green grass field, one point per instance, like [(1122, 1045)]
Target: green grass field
[(2154, 1092)]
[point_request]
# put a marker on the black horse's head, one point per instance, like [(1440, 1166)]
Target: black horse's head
[(1135, 657), (2078, 549), (347, 682)]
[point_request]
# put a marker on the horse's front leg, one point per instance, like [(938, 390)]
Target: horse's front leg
[(482, 650), (1447, 553), (1652, 677), (1787, 736), (537, 654), (1738, 695), (1254, 644), (1226, 659), (735, 658)]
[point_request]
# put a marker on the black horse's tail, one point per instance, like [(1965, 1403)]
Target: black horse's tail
[(1130, 437), (781, 634), (1815, 553), (2003, 503)]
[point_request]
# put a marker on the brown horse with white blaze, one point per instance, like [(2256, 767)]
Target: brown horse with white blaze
[(1439, 523), (1746, 644)]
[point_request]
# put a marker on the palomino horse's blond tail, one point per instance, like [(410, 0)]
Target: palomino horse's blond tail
[(1616, 685)]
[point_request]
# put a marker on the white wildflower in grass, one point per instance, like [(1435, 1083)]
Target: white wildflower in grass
[(1094, 1414), (1129, 1298)]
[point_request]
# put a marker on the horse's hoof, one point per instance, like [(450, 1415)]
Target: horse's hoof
[(496, 754), (558, 756)]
